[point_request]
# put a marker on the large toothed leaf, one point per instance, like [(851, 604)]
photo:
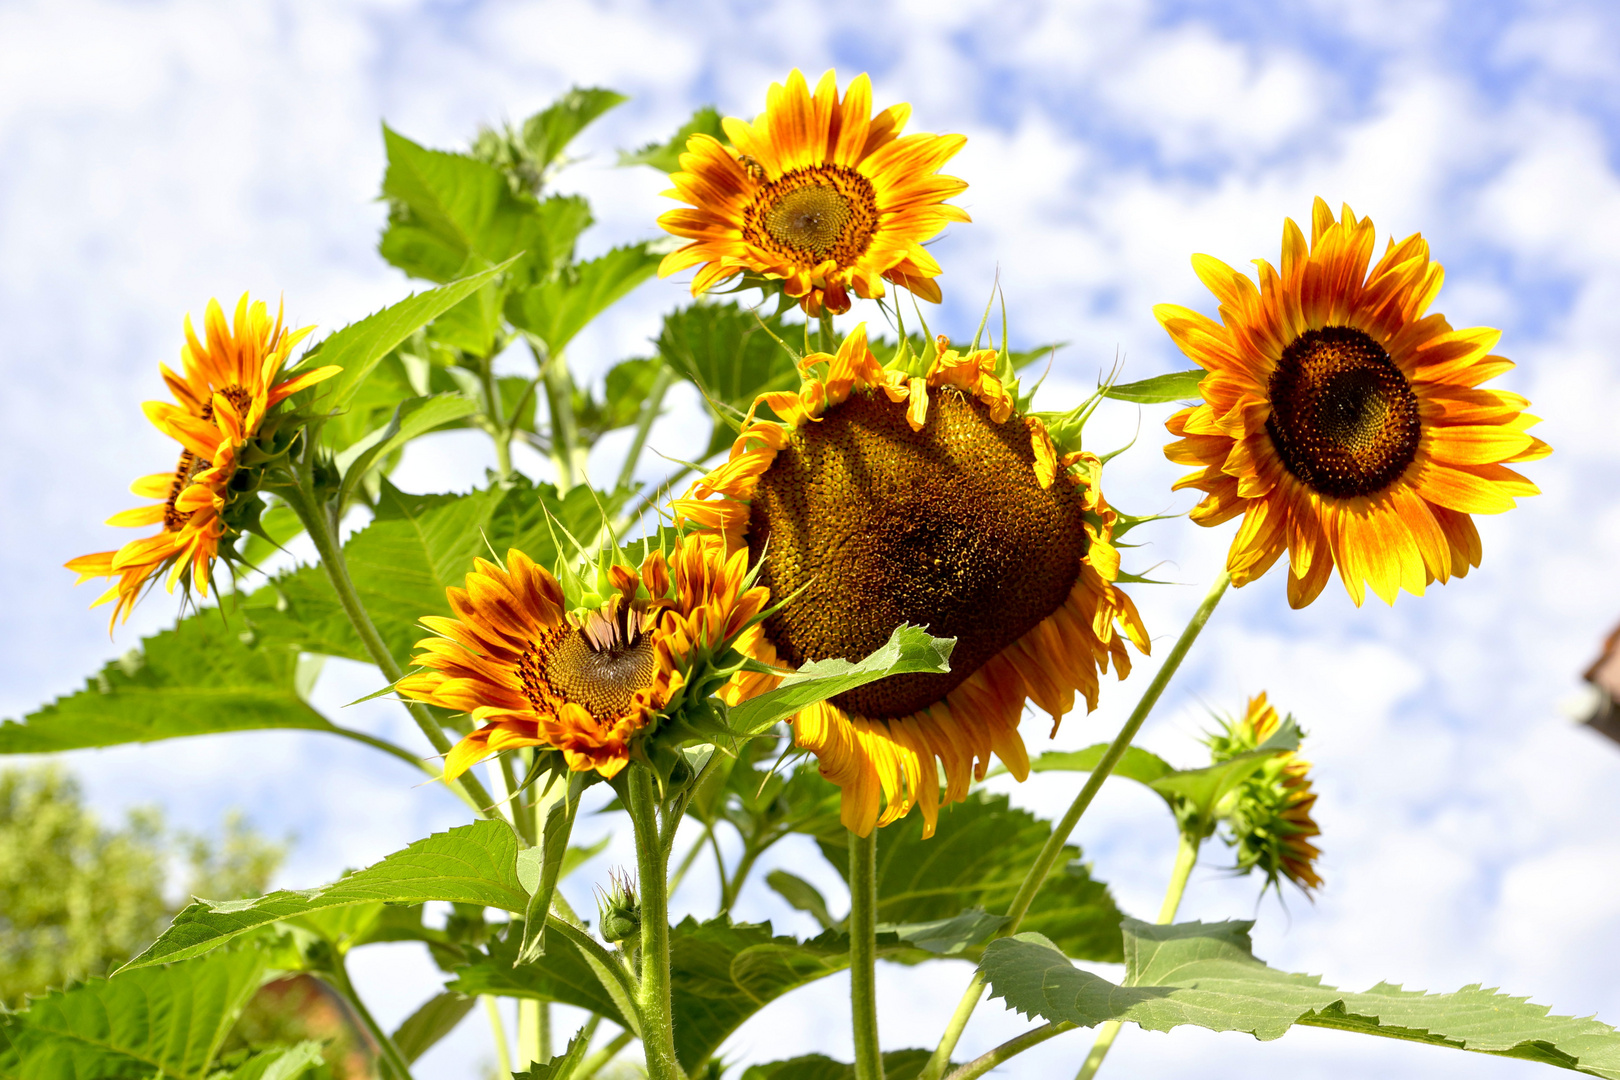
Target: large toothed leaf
[(196, 679), (358, 347), (437, 1017), (413, 417), (548, 132), (556, 310), (415, 547), (162, 1022), (564, 975), (1175, 386), (667, 155), (727, 351), (967, 873), (472, 864), (897, 1065), (1205, 975), (909, 649), (448, 211)]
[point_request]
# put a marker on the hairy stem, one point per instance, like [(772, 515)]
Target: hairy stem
[(338, 975), (1060, 834), (1186, 859), (863, 954), (653, 993), (322, 532), (649, 413), (503, 1053)]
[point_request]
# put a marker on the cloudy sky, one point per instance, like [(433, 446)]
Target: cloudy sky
[(153, 155)]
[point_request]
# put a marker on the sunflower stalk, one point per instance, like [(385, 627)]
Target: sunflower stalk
[(559, 384), (497, 1029), (1053, 848), (317, 522), (653, 992), (650, 408), (863, 954), (337, 973), (1186, 859)]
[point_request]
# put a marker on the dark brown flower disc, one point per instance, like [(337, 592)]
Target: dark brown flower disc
[(946, 528), (1343, 418)]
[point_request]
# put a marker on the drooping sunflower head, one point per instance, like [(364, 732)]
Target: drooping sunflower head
[(1268, 818), (225, 399), (532, 670), (916, 493), (1342, 420), (817, 193)]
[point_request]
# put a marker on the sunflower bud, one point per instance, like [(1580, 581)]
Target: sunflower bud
[(619, 909), (1268, 817)]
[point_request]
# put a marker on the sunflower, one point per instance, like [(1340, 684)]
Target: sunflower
[(1270, 821), (227, 389), (818, 193), (531, 673), (893, 497), (1347, 426)]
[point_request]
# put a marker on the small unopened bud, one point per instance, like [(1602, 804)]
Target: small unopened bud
[(619, 908)]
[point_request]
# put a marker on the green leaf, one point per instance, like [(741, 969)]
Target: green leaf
[(726, 352), (1136, 764), (414, 417), (165, 1022), (196, 679), (1175, 386), (1206, 975), (415, 547), (554, 852), (279, 1063), (359, 347), (563, 1066), (947, 937), (548, 132), (897, 1065), (447, 211), (472, 864), (974, 863), (667, 155), (564, 976), (437, 1018), (801, 895), (628, 385), (909, 649), (556, 310)]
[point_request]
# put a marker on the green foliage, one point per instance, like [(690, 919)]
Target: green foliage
[(415, 547), (728, 352), (359, 347), (626, 389), (1175, 386), (557, 309), (564, 1065), (167, 1022), (973, 864), (413, 417), (1206, 975), (529, 154), (565, 976), (472, 864), (666, 156), (897, 1065), (909, 649), (437, 1018), (279, 1063), (195, 679)]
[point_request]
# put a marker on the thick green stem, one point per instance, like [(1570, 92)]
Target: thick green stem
[(863, 954), (564, 426), (323, 535), (1009, 1049), (826, 338), (534, 1032), (1186, 859), (644, 423), (1060, 834), (338, 975), (503, 1053), (653, 993)]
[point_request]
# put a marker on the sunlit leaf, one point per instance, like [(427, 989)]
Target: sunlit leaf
[(667, 155), (728, 353), (556, 310), (414, 417), (437, 1017), (548, 132), (897, 1065), (1175, 386), (1206, 975), (472, 864)]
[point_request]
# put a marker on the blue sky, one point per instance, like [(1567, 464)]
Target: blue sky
[(153, 155)]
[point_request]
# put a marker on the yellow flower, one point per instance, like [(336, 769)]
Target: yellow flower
[(1270, 819), (531, 674), (227, 388), (1344, 423), (919, 495), (818, 193)]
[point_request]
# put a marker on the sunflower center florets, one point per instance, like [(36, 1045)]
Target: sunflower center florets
[(186, 471), (814, 214), (599, 666), (1343, 418), (947, 527)]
